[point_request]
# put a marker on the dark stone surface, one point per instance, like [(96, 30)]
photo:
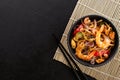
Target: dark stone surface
[(26, 44)]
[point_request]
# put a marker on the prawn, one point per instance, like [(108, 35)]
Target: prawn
[(106, 42), (79, 54)]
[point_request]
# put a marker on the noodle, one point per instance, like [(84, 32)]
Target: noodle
[(93, 40)]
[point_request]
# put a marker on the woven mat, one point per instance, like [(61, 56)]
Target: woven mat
[(109, 9)]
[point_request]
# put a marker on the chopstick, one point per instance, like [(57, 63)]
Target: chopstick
[(79, 76)]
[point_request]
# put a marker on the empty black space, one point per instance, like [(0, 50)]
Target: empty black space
[(26, 45)]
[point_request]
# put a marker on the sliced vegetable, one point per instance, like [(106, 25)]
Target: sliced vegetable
[(78, 29), (96, 53), (92, 61), (78, 36), (102, 52), (90, 44), (101, 23), (85, 50)]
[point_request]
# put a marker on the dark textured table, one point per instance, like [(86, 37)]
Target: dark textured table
[(26, 45)]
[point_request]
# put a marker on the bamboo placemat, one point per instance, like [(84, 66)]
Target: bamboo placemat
[(109, 9)]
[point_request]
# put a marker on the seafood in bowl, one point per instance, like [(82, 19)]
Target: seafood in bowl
[(92, 40)]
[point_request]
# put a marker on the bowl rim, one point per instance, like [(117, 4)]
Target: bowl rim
[(84, 62)]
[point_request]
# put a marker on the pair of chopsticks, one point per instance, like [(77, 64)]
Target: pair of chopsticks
[(71, 62)]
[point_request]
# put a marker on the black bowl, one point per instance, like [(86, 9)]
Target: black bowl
[(113, 51)]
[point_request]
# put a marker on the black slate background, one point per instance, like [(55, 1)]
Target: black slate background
[(26, 45)]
